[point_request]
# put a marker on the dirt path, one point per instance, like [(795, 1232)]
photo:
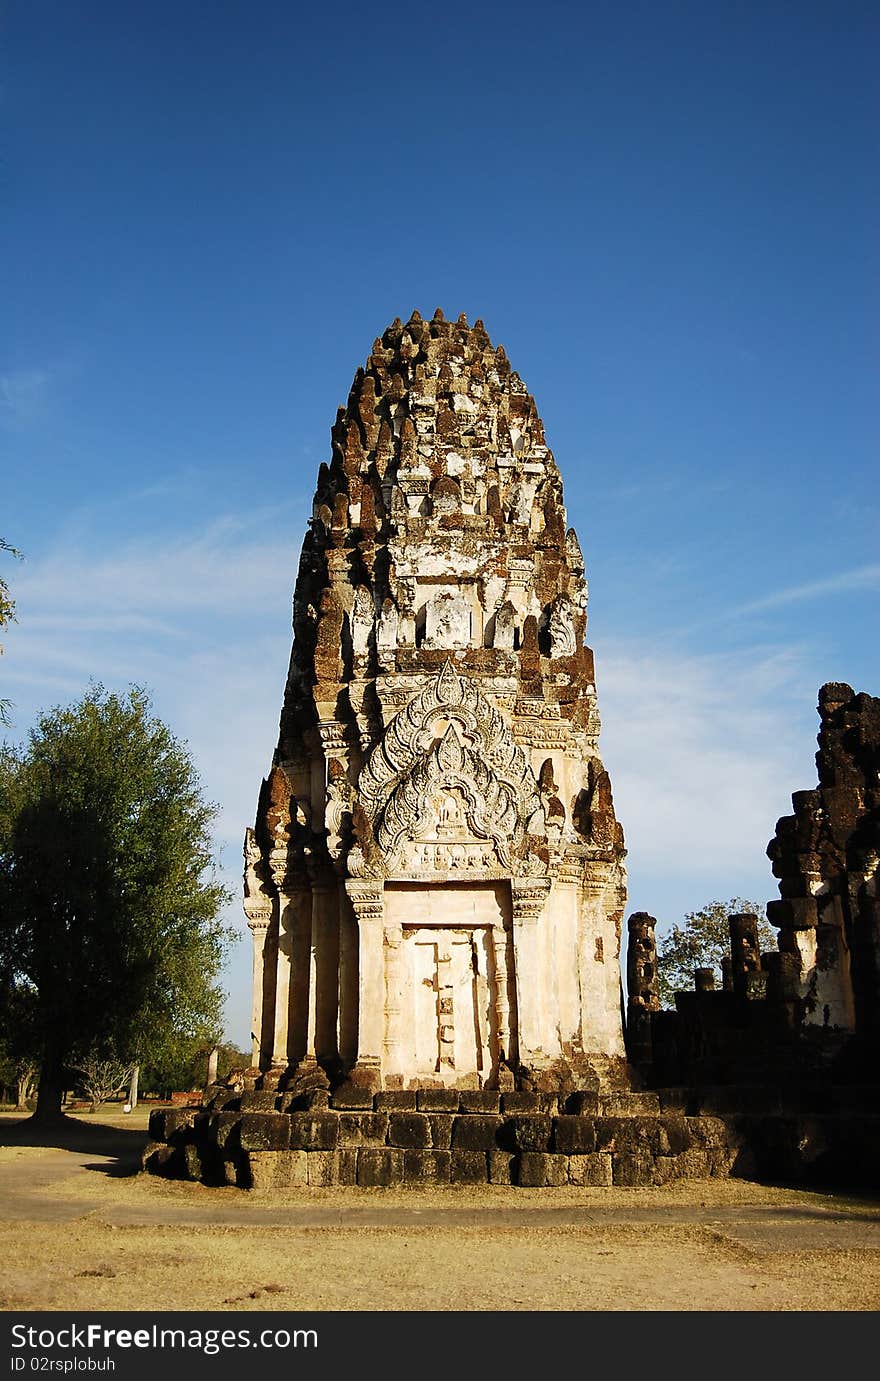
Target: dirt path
[(78, 1231)]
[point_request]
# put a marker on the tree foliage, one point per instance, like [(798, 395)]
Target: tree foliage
[(7, 616), (187, 1067), (701, 942), (109, 908)]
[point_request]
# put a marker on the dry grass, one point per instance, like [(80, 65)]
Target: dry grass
[(85, 1240)]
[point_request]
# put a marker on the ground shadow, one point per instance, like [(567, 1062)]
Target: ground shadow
[(122, 1145)]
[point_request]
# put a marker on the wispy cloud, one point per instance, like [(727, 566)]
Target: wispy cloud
[(861, 578), (703, 750)]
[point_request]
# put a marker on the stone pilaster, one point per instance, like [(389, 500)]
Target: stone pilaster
[(500, 998), (392, 946), (282, 981), (528, 898), (259, 919), (365, 895)]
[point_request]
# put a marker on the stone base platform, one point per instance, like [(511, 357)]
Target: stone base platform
[(445, 1136)]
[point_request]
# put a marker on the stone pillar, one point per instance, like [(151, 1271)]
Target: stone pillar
[(391, 1040), (704, 980), (745, 952), (445, 1009), (348, 980), (213, 1061), (324, 969), (258, 924), (643, 989), (282, 977), (528, 898), (500, 998), (727, 973), (365, 895), (323, 952)]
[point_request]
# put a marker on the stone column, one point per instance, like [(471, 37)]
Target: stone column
[(502, 1004), (528, 898), (258, 924), (323, 968), (365, 895), (282, 976), (643, 990), (319, 893), (348, 980), (745, 952), (392, 944)]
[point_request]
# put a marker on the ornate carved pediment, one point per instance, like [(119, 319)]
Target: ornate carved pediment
[(448, 766)]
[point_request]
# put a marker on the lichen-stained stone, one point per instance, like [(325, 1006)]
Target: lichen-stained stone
[(435, 880), (479, 1101), (476, 1132), (348, 1159), (380, 1167), (161, 1159), (438, 1100), (192, 1161), (528, 1102), (629, 1104), (635, 1168), (363, 1128), (501, 1165), (317, 1132), (441, 1130), (275, 1170), (411, 1130), (468, 1167), (527, 1133), (396, 1100), (223, 1129), (590, 1169), (258, 1100), (167, 1122), (574, 1135), (323, 1167), (426, 1167), (351, 1097), (264, 1131), (537, 1170), (709, 1132)]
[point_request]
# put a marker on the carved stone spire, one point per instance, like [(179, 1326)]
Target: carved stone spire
[(438, 667)]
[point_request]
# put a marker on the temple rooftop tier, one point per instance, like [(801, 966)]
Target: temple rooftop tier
[(435, 879)]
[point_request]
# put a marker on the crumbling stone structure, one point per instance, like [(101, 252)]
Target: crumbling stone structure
[(788, 1048), (827, 859), (435, 879)]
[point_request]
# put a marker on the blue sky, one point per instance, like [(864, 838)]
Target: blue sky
[(666, 212)]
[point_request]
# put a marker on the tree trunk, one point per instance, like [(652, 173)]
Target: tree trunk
[(133, 1086), (50, 1092)]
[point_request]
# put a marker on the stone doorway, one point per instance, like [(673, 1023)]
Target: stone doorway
[(449, 979)]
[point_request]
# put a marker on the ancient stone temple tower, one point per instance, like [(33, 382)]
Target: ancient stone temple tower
[(435, 879)]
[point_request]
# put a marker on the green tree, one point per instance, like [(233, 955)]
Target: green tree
[(7, 616), (187, 1067), (701, 942), (109, 906)]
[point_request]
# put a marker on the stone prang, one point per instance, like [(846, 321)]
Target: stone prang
[(435, 878)]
